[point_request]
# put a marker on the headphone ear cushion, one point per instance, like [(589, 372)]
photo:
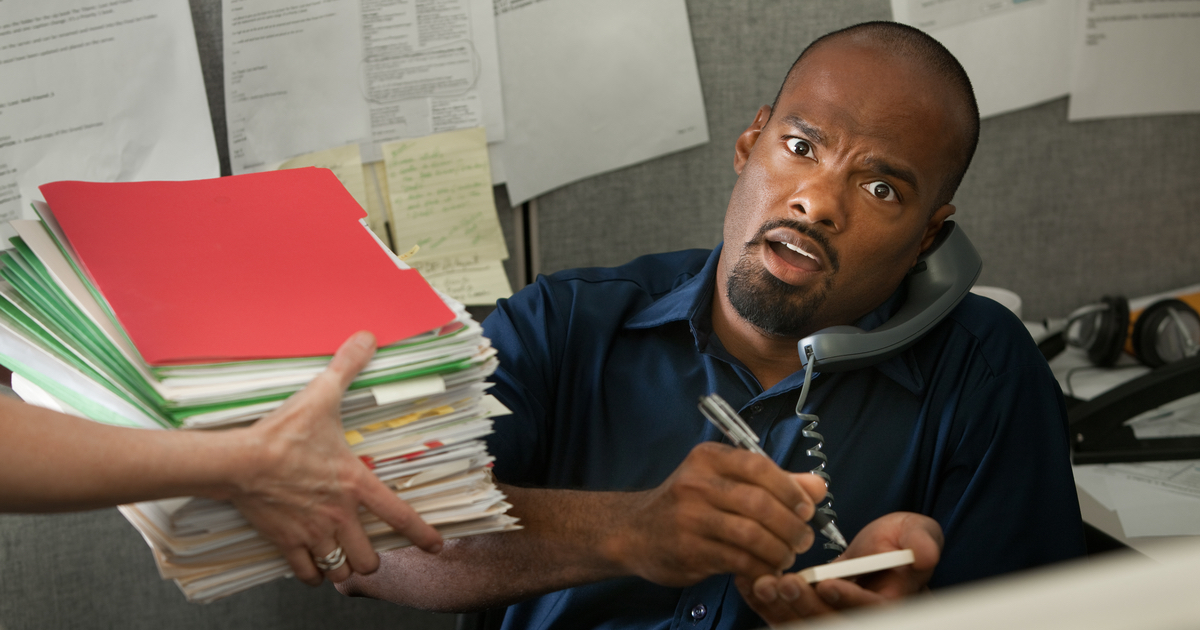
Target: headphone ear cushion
[(1111, 332), (1145, 329)]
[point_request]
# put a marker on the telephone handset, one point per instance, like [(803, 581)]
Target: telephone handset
[(936, 284)]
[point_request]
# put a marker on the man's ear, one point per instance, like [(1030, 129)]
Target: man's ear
[(749, 137), (935, 225)]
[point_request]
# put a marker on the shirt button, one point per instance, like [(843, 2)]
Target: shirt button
[(699, 612), (756, 407)]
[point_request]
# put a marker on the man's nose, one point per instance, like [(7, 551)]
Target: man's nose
[(821, 197)]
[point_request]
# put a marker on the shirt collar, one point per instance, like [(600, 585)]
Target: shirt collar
[(691, 301)]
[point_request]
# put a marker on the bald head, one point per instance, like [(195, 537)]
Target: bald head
[(914, 46)]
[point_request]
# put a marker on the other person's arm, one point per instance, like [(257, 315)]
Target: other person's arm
[(291, 473)]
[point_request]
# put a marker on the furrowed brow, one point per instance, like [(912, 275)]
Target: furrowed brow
[(812, 132), (902, 174)]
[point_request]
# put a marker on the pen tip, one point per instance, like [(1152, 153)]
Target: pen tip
[(831, 532)]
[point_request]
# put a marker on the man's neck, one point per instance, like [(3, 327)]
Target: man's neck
[(771, 359)]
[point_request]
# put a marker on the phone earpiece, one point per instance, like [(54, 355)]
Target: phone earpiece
[(1167, 331)]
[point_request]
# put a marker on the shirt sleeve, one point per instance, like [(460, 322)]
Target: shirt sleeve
[(1007, 499), (520, 330)]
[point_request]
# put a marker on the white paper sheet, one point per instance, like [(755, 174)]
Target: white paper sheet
[(100, 91), (1146, 510), (1150, 498), (1016, 52), (302, 76), (1178, 418), (1134, 57), (593, 86)]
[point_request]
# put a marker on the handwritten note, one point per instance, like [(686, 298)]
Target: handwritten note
[(469, 279), (441, 193)]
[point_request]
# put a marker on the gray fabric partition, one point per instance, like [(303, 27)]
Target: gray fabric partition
[(1062, 213)]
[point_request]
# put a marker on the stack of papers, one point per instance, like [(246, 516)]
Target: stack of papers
[(207, 303)]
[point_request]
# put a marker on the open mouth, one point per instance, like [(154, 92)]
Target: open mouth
[(795, 255)]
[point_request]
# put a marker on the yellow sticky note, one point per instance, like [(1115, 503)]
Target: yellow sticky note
[(353, 437), (403, 420), (441, 195)]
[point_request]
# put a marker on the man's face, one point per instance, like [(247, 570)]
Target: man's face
[(836, 186)]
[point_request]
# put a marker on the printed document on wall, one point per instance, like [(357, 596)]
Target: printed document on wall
[(305, 76), (99, 91), (1134, 58), (593, 86), (1016, 52)]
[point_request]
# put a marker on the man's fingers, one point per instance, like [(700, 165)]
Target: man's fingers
[(748, 548), (758, 522), (778, 599), (813, 486), (757, 470), (924, 536), (841, 594), (354, 355)]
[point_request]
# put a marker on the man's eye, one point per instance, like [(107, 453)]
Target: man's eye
[(800, 147), (882, 191)]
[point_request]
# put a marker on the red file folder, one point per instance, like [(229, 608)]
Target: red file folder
[(258, 266)]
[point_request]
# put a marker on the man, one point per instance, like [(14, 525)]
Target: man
[(842, 184)]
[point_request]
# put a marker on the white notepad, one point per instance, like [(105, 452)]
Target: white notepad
[(858, 566)]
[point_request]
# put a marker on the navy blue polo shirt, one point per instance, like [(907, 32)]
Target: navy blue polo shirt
[(603, 368)]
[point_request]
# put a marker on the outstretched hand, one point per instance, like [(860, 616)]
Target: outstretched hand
[(304, 491), (779, 599)]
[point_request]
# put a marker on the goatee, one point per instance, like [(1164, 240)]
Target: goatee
[(770, 304)]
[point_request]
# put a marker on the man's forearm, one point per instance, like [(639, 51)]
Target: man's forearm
[(569, 538), (723, 510)]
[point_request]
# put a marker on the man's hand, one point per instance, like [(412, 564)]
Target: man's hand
[(778, 599), (304, 486), (723, 510)]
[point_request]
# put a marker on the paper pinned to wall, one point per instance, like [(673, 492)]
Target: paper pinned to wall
[(1134, 58), (593, 86), (468, 279), (303, 76), (441, 196), (64, 115), (1016, 52)]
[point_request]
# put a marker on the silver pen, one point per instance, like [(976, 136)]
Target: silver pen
[(721, 414)]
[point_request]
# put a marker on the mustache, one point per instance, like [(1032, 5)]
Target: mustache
[(830, 253)]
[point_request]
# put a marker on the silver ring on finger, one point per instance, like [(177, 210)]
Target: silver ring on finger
[(331, 561)]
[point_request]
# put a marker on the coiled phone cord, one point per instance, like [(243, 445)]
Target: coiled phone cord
[(809, 430)]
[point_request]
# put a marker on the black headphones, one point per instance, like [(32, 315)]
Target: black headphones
[(1165, 332)]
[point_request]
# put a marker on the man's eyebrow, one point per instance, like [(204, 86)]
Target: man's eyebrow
[(884, 168), (812, 132)]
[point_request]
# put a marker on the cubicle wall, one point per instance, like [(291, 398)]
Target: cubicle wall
[(1062, 213)]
